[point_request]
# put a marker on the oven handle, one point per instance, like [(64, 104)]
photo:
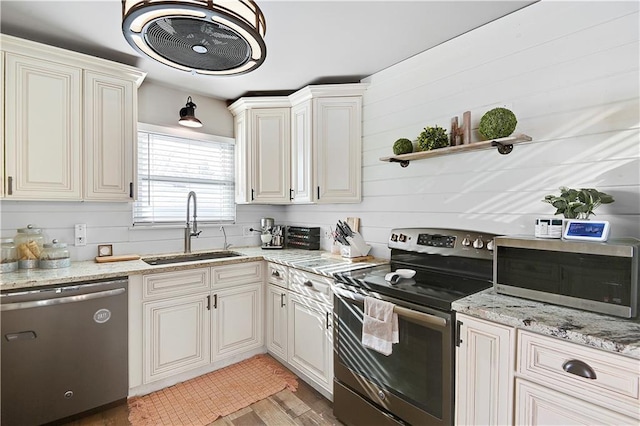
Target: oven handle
[(417, 316)]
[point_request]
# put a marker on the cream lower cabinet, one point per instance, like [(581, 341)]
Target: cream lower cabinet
[(484, 372), (508, 376), (276, 321), (277, 301), (237, 320), (193, 320), (310, 327), (177, 334)]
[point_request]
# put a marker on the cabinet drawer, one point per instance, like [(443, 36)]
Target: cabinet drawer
[(236, 274), (617, 378), (166, 284), (311, 285), (277, 274)]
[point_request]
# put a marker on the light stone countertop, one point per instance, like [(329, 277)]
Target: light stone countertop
[(604, 332), (314, 261)]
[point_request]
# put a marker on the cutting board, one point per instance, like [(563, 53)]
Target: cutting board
[(105, 259)]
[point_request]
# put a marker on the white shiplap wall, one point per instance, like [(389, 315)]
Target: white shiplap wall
[(568, 70)]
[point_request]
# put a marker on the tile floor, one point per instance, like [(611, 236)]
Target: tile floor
[(303, 407)]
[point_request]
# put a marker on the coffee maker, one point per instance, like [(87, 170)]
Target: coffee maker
[(271, 235)]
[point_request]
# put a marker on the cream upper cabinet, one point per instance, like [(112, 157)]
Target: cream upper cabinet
[(326, 141), (302, 180), (70, 124), (316, 160), (2, 123), (109, 137), (262, 127), (338, 149), (43, 109)]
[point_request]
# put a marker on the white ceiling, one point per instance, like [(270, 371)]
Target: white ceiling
[(308, 42)]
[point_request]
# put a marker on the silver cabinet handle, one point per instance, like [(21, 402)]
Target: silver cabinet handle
[(61, 300), (275, 273)]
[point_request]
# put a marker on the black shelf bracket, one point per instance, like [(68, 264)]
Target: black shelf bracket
[(503, 149), (403, 163)]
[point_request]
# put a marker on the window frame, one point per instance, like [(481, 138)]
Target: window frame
[(176, 133)]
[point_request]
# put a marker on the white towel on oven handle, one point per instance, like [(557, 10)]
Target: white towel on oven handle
[(379, 326)]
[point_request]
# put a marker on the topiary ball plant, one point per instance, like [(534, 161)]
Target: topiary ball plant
[(497, 123), (402, 146), (432, 138)]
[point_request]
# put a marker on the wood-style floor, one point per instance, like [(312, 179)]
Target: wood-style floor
[(303, 407)]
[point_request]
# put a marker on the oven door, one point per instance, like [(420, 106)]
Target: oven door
[(415, 383)]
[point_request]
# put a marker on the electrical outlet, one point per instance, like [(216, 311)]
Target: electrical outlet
[(80, 234)]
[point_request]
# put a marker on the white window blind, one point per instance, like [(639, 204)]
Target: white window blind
[(169, 167)]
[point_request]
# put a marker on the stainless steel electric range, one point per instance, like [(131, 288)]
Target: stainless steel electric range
[(415, 384)]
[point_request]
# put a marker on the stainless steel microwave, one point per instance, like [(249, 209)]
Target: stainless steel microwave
[(597, 277)]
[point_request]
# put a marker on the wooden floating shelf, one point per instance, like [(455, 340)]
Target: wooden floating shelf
[(504, 146)]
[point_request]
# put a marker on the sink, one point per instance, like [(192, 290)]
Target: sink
[(189, 257)]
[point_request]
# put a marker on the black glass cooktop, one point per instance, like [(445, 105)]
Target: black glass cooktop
[(436, 289)]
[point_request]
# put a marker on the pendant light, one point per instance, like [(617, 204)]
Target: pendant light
[(221, 37), (188, 115)]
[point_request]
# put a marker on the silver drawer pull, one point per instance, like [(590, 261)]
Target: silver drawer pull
[(275, 274), (579, 368), (308, 283)]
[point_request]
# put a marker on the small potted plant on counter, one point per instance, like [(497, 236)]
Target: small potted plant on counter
[(577, 203)]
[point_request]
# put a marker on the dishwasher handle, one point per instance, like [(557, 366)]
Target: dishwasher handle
[(61, 300)]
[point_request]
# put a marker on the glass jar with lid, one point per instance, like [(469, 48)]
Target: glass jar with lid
[(29, 242), (55, 255), (8, 255)]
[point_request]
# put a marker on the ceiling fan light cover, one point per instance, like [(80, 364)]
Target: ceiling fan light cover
[(223, 37)]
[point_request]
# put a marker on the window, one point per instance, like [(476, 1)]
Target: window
[(172, 163)]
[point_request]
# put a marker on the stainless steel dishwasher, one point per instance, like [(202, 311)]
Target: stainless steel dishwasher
[(64, 350)]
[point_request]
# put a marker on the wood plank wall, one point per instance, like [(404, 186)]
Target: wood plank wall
[(568, 70)]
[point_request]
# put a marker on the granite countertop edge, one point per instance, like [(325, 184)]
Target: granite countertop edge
[(318, 262), (609, 333)]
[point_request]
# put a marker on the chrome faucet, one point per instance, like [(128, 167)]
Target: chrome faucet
[(187, 230), (225, 246)]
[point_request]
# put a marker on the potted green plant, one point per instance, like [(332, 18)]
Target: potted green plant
[(577, 203), (432, 138)]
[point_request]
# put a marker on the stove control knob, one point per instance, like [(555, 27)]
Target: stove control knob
[(402, 238), (490, 245), (394, 237), (478, 243), (466, 242)]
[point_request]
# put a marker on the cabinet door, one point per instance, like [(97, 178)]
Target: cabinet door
[(538, 405), (484, 373), (310, 339), (338, 149), (242, 159), (301, 153), (109, 137), (277, 321), (2, 124), (237, 324), (176, 336), (269, 135), (43, 129)]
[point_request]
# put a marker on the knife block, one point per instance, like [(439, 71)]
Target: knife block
[(357, 247)]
